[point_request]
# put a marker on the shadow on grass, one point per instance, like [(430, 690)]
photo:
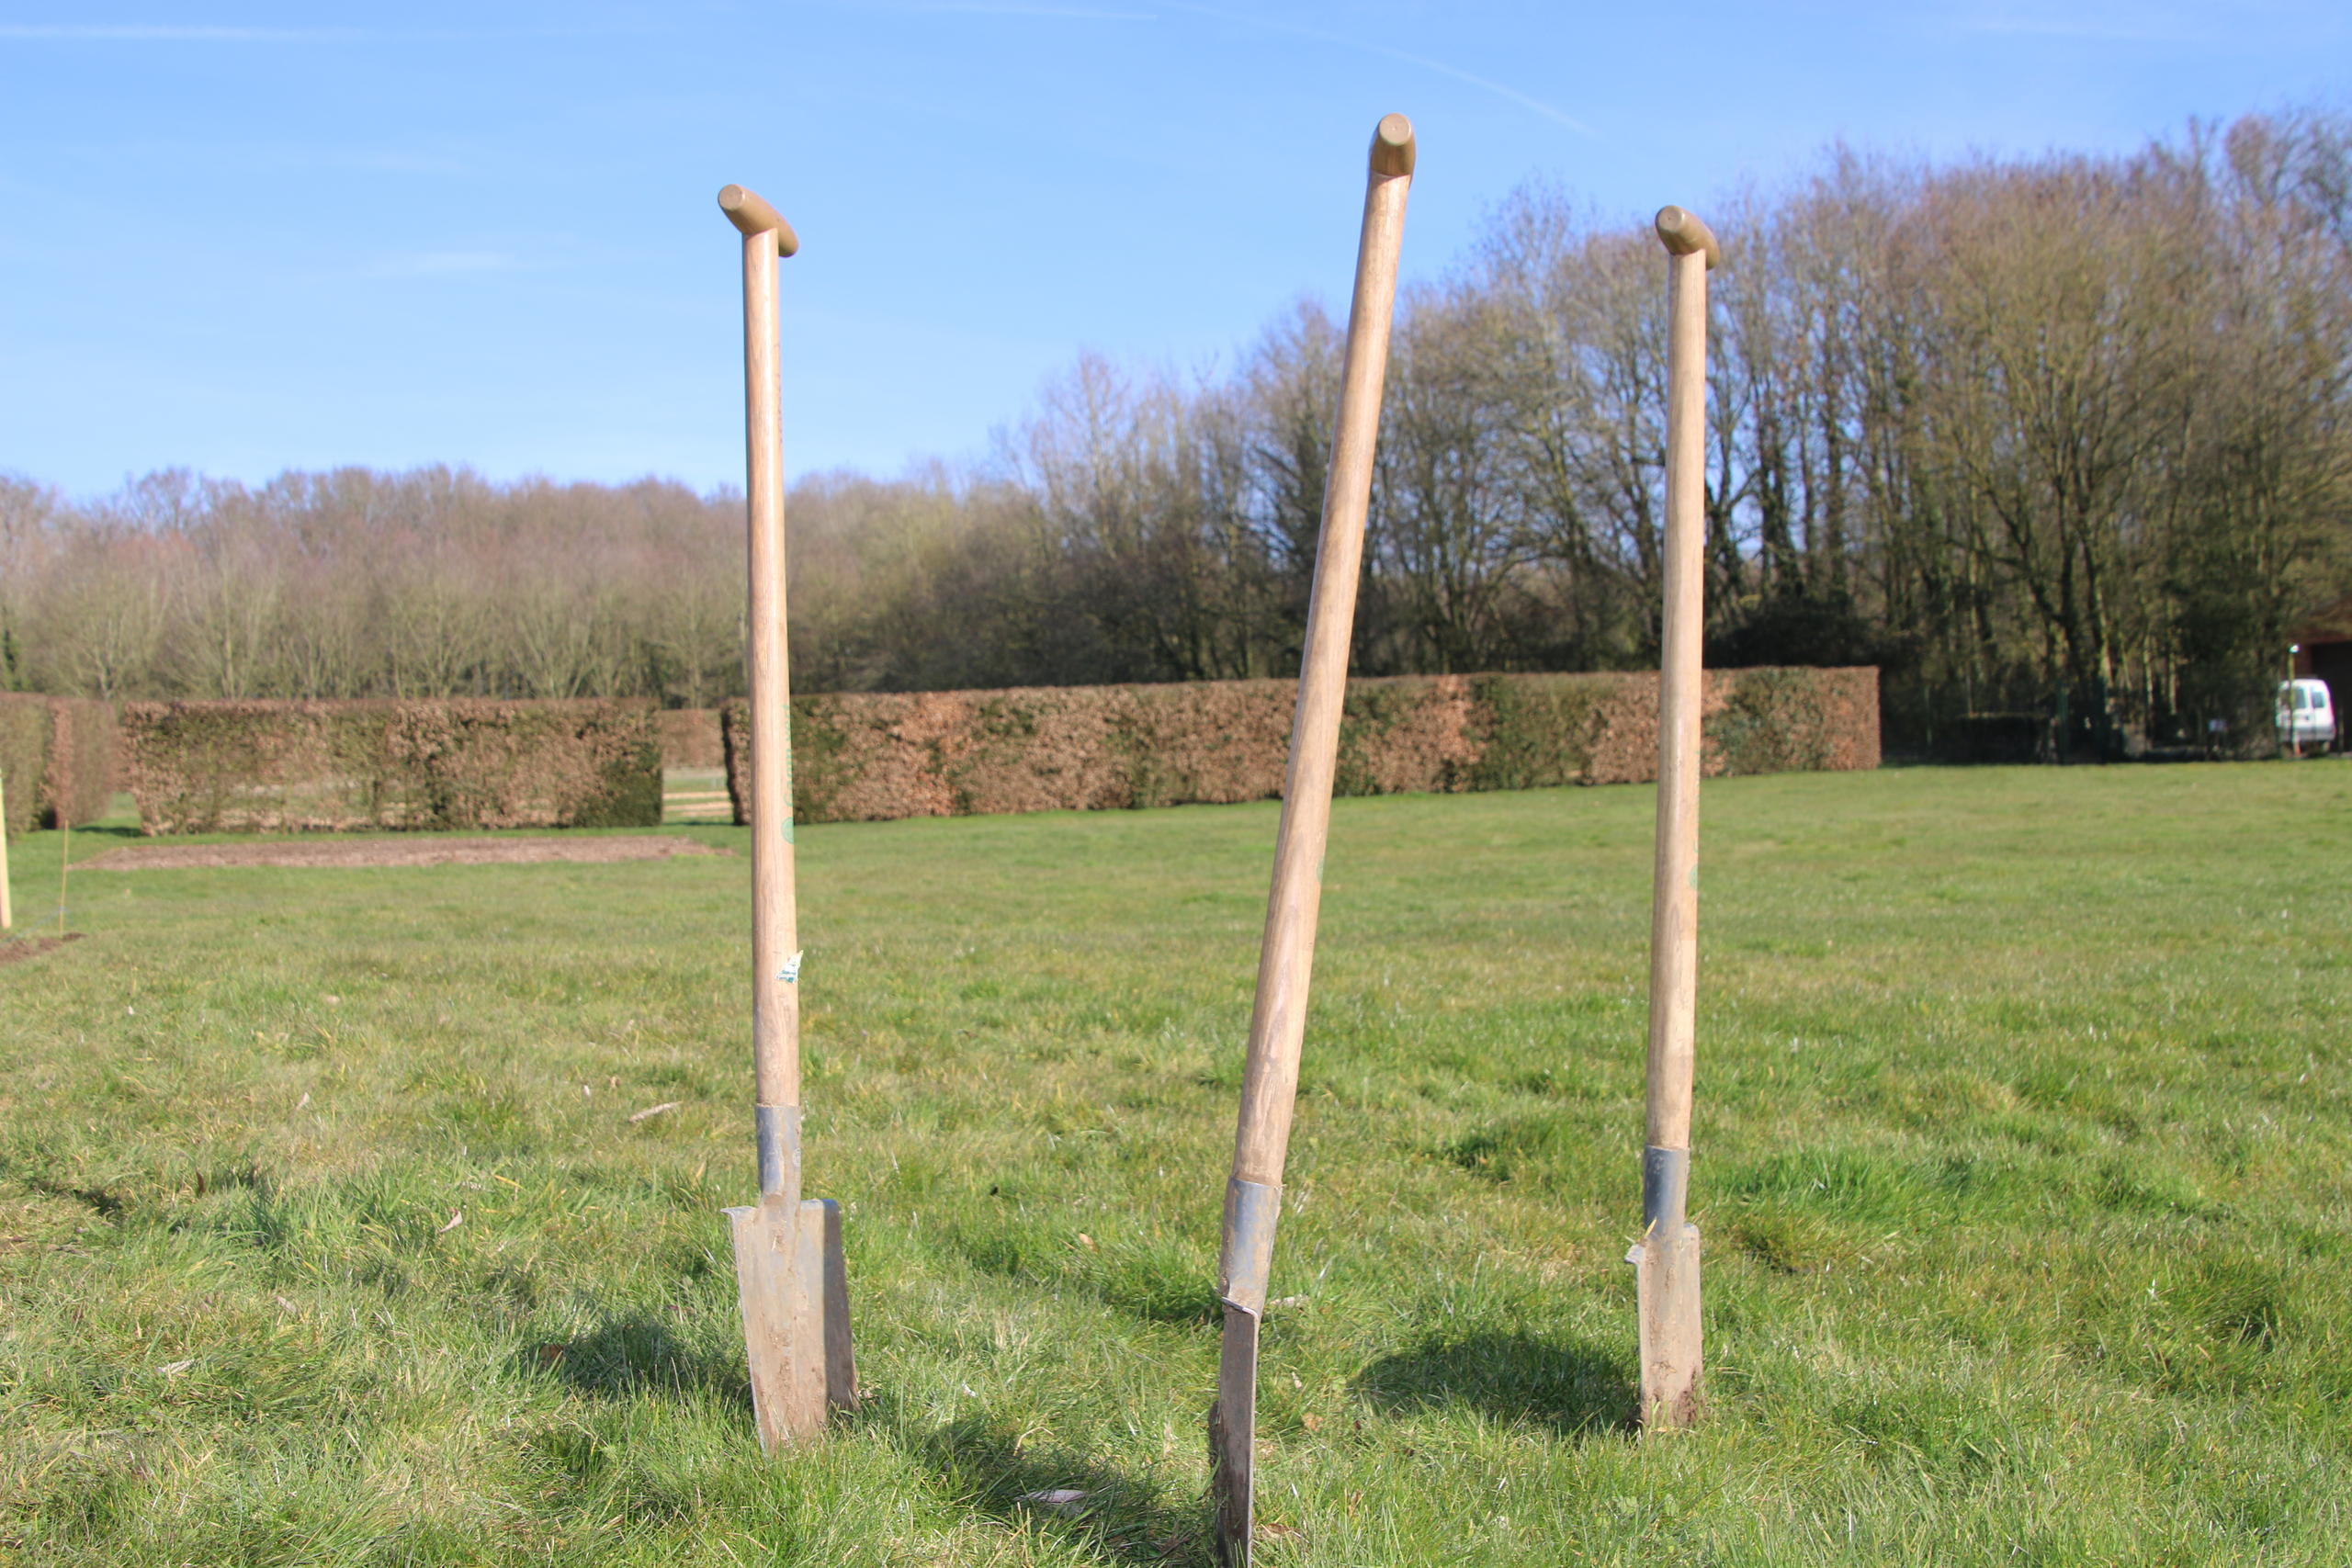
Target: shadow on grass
[(1113, 1518), (1155, 1278), (643, 1352), (100, 1201), (1577, 1391)]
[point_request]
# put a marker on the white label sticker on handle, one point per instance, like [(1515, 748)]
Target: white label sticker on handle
[(790, 973)]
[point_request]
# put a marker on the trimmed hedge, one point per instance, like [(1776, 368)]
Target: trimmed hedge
[(874, 756), (460, 762), (79, 784), (57, 755), (690, 737), (24, 758)]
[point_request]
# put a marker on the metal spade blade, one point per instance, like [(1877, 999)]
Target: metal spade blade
[(795, 1293), (1245, 1263), (1666, 1290), (1233, 1424)]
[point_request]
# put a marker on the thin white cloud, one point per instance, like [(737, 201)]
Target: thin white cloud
[(1015, 8), (167, 32), (445, 263), (214, 156), (2131, 21), (132, 32), (1527, 101), (382, 162), (2103, 32), (1523, 100)]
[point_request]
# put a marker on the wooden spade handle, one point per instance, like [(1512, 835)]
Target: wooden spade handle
[(1674, 919), (1683, 232), (1286, 956), (1393, 150), (750, 212), (776, 941)]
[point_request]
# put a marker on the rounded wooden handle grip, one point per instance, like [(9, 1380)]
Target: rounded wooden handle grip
[(1392, 145), (749, 211), (1683, 232)]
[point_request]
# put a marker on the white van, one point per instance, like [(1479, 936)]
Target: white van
[(2306, 717)]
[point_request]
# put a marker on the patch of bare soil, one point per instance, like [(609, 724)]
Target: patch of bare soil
[(339, 853), (34, 946)]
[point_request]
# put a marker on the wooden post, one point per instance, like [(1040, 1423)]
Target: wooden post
[(1286, 952), (1667, 1260)]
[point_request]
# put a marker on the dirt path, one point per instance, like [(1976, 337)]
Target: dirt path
[(339, 853)]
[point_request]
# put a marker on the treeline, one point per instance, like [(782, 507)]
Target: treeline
[(430, 583), (2064, 439)]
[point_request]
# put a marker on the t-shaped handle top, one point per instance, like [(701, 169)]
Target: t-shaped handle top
[(1392, 145), (1684, 233), (749, 211)]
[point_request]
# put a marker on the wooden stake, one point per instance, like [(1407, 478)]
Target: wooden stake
[(1666, 1260), (1287, 953), (65, 863), (789, 1273)]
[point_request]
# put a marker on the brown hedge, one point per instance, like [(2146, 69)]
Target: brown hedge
[(459, 762), (79, 784), (24, 758), (57, 755), (690, 738), (874, 756)]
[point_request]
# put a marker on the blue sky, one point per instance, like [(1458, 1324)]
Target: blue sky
[(243, 238)]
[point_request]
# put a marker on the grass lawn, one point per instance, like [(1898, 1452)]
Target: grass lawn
[(2023, 1156)]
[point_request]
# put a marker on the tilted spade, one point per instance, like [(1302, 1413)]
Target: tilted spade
[(788, 1264), (1666, 1260), (1285, 958)]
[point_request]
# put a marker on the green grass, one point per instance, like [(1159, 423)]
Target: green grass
[(2024, 1159)]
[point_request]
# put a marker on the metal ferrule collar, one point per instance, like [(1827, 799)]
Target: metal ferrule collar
[(1666, 1191), (777, 1128), (1246, 1260)]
